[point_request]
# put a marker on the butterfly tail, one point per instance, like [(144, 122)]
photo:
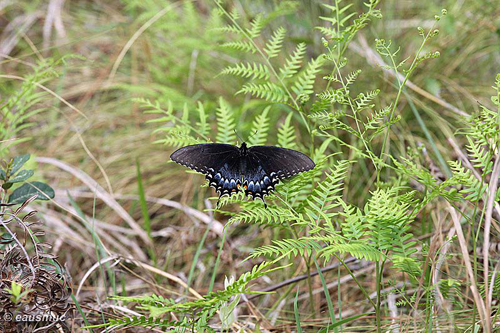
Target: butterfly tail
[(263, 201)]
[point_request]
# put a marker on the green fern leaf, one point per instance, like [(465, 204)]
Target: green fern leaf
[(292, 64), (321, 204), (268, 91), (260, 128), (202, 125), (256, 27), (251, 70), (244, 46), (352, 77), (286, 134), (363, 100), (228, 28), (274, 216), (273, 47), (287, 247), (225, 124), (305, 82), (353, 227), (358, 250)]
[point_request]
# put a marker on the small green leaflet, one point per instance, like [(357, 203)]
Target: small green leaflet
[(27, 190)]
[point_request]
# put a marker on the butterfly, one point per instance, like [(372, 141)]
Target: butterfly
[(257, 168)]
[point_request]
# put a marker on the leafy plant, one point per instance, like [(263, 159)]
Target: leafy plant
[(12, 173)]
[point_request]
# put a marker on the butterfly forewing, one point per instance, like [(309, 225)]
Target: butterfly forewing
[(203, 157), (218, 162), (281, 163)]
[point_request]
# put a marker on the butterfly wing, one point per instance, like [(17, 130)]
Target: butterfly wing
[(218, 162), (261, 167), (266, 165)]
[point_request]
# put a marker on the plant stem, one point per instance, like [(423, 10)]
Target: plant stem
[(309, 284), (379, 268), (377, 307)]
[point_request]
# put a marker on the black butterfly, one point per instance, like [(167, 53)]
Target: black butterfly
[(258, 168)]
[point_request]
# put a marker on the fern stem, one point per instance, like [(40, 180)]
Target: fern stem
[(379, 267), (309, 284), (355, 116)]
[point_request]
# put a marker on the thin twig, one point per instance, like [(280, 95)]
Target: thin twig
[(487, 227), (374, 58)]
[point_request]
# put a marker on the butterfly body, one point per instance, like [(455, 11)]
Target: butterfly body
[(257, 169)]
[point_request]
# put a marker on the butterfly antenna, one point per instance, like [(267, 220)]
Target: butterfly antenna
[(251, 136), (239, 137)]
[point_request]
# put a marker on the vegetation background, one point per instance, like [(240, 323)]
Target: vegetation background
[(101, 92)]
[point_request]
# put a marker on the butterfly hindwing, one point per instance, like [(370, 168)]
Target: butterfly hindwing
[(226, 179), (257, 181)]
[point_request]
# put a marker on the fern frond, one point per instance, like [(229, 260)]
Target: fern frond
[(244, 46), (353, 226), (260, 128), (251, 70), (409, 265), (472, 187), (305, 82), (225, 124), (328, 32), (334, 96), (292, 64), (480, 157), (287, 247), (134, 321), (351, 77), (356, 249), (286, 134), (228, 28), (273, 47), (268, 91), (177, 136), (202, 125), (256, 27), (153, 300), (271, 216), (338, 12), (384, 216), (363, 100), (378, 123), (296, 189), (331, 31), (324, 199)]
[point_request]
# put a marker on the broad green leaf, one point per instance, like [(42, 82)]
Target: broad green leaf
[(18, 163), (2, 175), (21, 176), (28, 190)]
